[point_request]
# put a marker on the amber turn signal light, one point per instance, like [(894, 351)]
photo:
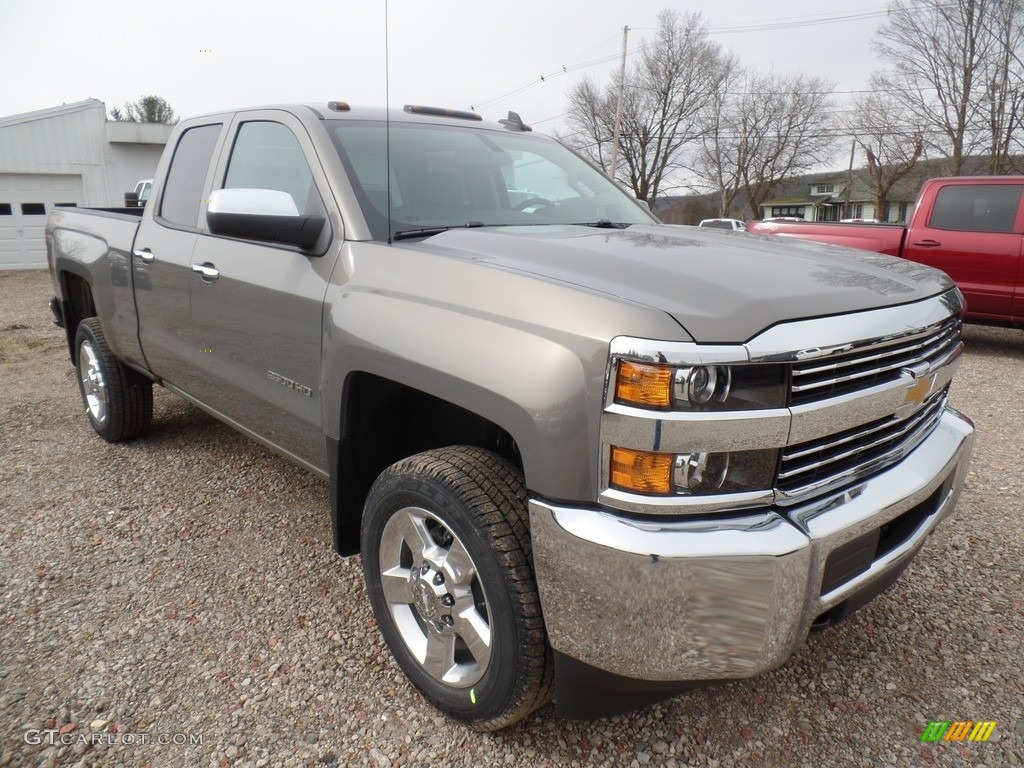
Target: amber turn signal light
[(641, 471), (646, 385)]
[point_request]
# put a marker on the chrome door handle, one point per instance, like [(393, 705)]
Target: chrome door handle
[(206, 270), (145, 254)]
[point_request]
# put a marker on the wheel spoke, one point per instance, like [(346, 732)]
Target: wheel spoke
[(439, 657), (474, 631), (395, 583), (412, 528), (459, 565)]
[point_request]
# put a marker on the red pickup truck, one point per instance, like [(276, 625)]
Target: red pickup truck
[(972, 228)]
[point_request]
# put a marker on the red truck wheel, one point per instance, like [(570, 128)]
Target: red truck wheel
[(118, 402), (446, 555)]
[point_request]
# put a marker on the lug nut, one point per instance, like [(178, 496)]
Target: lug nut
[(447, 601), (438, 579), (447, 620), (425, 569)]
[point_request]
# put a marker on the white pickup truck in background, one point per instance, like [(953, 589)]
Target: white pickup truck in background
[(137, 197)]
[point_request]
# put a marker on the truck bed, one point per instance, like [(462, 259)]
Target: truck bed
[(95, 245), (882, 238)]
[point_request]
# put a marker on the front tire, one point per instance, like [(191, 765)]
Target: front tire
[(448, 566), (118, 402)]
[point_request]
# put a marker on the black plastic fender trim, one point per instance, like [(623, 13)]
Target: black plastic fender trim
[(583, 692)]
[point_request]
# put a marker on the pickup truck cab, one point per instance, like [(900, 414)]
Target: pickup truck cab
[(583, 454), (972, 228)]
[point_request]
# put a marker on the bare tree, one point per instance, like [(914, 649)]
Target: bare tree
[(717, 162), (939, 48), (664, 95), (147, 109), (1003, 84), (884, 128), (781, 126), (590, 118)]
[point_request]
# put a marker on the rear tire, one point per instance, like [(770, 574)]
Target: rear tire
[(118, 401), (448, 566)]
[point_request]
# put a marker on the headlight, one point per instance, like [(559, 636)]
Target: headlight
[(691, 474), (702, 384), (700, 387)]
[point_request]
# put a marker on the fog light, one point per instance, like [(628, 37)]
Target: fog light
[(700, 472)]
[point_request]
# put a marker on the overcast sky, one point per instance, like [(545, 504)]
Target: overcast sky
[(206, 55)]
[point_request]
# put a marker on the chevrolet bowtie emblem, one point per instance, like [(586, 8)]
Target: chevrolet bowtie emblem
[(917, 391)]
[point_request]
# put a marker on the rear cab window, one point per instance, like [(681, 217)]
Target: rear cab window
[(183, 190), (976, 207)]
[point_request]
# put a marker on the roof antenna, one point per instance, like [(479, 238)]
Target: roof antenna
[(515, 122), (387, 114)]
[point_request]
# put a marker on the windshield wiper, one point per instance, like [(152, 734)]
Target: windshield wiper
[(407, 234), (604, 224)]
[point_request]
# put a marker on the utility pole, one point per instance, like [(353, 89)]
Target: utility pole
[(618, 106), (849, 182)]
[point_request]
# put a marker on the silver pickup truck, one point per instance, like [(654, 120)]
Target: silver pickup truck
[(584, 455)]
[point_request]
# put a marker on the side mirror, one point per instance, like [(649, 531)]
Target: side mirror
[(262, 214)]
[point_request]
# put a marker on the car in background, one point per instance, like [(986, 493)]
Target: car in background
[(734, 224), (137, 198)]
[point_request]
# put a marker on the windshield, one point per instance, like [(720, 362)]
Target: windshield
[(454, 176)]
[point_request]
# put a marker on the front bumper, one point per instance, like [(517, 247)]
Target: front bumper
[(727, 598)]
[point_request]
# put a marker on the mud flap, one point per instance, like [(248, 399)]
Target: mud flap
[(583, 692)]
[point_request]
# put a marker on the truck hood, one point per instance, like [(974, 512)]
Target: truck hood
[(721, 287)]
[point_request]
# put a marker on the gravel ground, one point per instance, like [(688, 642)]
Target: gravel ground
[(182, 589)]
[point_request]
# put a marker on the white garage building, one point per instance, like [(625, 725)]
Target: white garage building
[(67, 154)]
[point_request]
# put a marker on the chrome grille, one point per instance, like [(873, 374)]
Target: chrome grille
[(821, 465), (858, 368)]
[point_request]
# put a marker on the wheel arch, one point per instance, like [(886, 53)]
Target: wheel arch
[(77, 303), (384, 421)]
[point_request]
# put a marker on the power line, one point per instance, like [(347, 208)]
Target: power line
[(796, 23), (544, 78), (772, 25)]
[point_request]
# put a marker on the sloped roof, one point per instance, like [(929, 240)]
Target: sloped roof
[(797, 200), (63, 109)]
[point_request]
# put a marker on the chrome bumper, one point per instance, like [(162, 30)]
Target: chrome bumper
[(733, 597)]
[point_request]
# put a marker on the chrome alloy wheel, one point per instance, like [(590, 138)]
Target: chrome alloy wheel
[(435, 597), (94, 386)]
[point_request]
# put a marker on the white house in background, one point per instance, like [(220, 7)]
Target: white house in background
[(72, 155), (827, 200)]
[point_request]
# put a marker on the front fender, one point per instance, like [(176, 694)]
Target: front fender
[(536, 389), (526, 353)]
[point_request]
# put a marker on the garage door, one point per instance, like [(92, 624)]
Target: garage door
[(25, 201)]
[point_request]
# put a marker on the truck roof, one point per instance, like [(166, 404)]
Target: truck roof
[(408, 113)]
